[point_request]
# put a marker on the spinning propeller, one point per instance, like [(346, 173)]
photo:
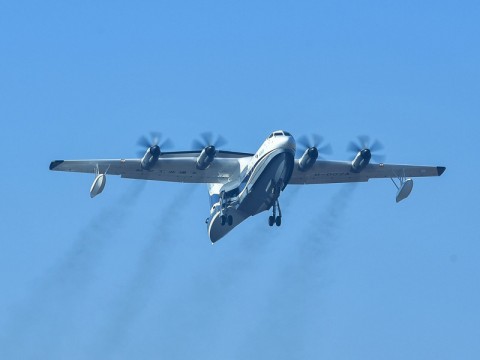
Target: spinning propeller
[(312, 144), (207, 146), (311, 148), (207, 140), (154, 143), (364, 144)]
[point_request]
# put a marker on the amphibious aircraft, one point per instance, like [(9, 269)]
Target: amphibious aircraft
[(240, 184)]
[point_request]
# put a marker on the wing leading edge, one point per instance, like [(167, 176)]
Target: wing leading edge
[(328, 172), (174, 167)]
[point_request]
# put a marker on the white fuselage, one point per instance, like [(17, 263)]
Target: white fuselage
[(259, 185)]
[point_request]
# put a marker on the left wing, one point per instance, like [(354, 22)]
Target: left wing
[(327, 172), (171, 166)]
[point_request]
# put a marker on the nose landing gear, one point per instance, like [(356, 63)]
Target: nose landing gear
[(224, 219)]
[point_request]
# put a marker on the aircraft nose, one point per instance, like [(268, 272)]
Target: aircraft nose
[(289, 142)]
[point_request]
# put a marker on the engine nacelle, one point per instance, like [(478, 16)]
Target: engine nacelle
[(308, 159), (206, 157), (361, 160), (150, 157)]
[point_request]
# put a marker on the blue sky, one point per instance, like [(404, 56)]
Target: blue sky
[(132, 274)]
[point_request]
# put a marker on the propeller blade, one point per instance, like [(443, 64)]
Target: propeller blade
[(207, 139), (155, 138), (364, 141), (316, 140), (325, 150), (376, 146), (221, 141), (143, 141), (353, 147), (303, 140), (197, 145), (166, 144)]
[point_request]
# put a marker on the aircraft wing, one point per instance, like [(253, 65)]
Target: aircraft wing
[(171, 166), (327, 172)]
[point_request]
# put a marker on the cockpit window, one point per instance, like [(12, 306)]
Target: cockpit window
[(279, 133)]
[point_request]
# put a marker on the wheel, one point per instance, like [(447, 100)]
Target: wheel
[(230, 220), (223, 219), (271, 220), (278, 221)]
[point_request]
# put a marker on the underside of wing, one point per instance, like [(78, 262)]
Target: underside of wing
[(173, 166), (327, 172)]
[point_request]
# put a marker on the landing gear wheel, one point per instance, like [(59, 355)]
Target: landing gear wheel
[(274, 219), (278, 221), (271, 220), (223, 219), (230, 220)]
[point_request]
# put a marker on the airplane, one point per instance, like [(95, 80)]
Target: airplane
[(241, 185)]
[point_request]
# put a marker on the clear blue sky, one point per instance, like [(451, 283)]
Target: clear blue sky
[(132, 274)]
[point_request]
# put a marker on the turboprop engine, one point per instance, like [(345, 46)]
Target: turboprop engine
[(206, 157), (313, 147), (208, 146), (361, 160), (363, 152), (153, 146), (308, 159), (150, 157)]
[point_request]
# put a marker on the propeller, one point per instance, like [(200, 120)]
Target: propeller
[(207, 139), (154, 144), (364, 143), (314, 141)]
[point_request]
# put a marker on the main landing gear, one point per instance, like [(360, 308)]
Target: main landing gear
[(273, 219), (224, 219)]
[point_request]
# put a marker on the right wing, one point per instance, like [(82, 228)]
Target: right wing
[(172, 166), (327, 172)]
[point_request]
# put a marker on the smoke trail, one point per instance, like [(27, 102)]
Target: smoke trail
[(217, 277), (322, 233), (133, 301), (259, 237), (252, 247), (294, 297), (90, 244), (49, 307)]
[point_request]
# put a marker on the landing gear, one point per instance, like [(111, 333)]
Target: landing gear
[(277, 220), (271, 220), (224, 219)]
